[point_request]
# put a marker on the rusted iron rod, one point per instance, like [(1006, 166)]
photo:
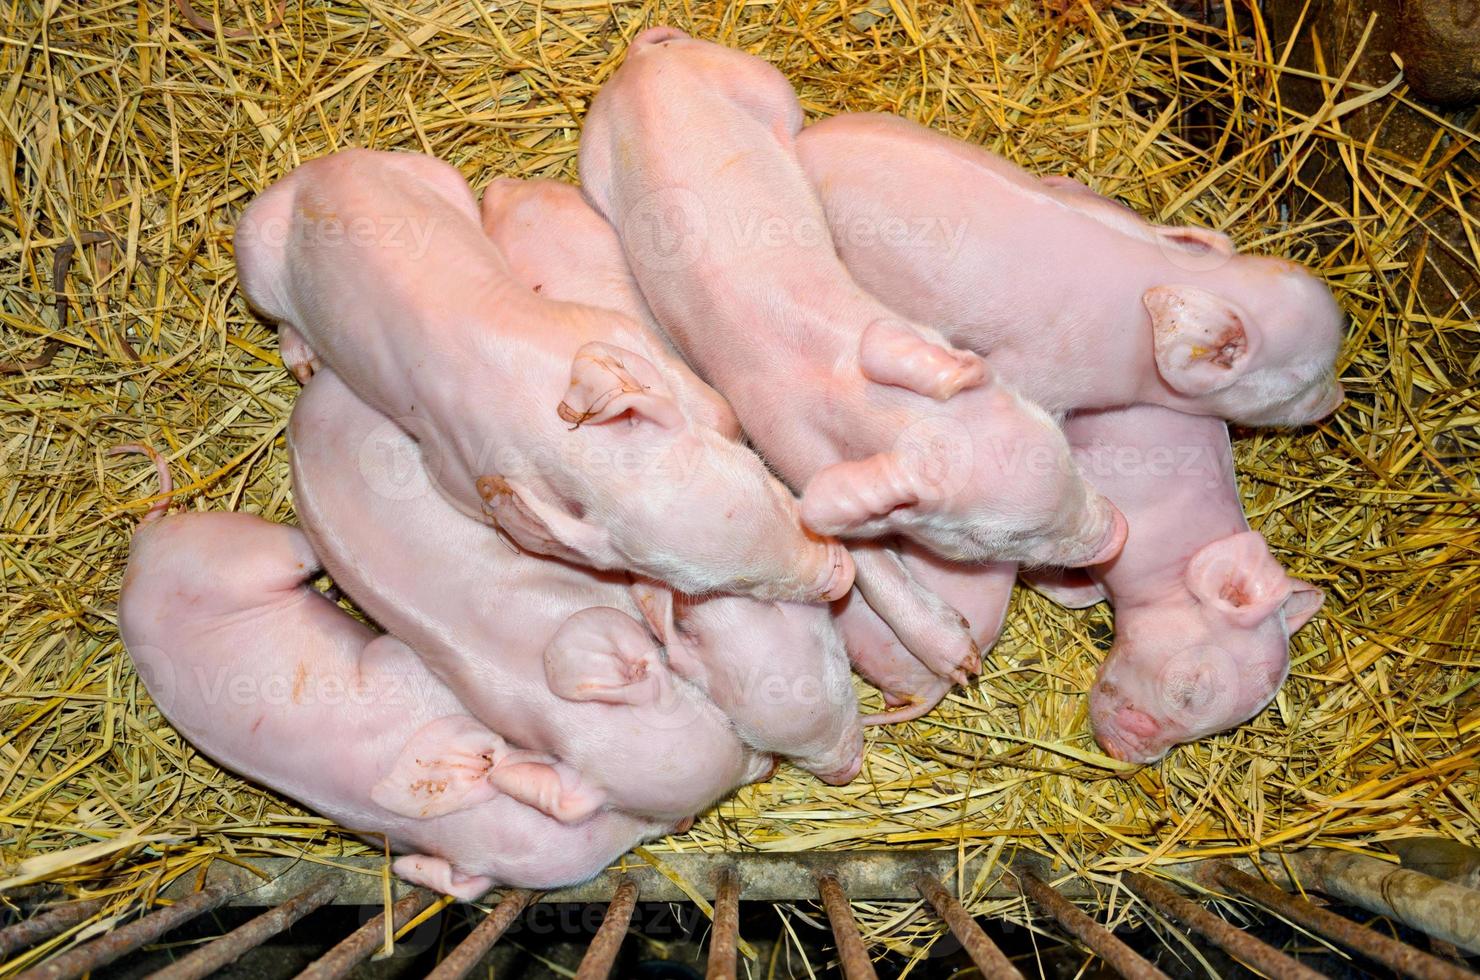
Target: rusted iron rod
[(465, 958), (355, 947), (1121, 958), (602, 954), (851, 951), (220, 952), (990, 960), (725, 934), (1398, 956), (120, 942), (1437, 908), (1234, 941), (43, 926)]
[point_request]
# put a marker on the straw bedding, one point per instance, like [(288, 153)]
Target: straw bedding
[(121, 118)]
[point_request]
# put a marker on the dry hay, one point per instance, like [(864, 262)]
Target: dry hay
[(121, 118)]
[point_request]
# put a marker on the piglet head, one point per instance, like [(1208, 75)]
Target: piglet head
[(681, 501), (778, 669), (974, 472), (1184, 669), (1253, 342)]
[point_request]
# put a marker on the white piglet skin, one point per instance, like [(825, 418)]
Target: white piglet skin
[(889, 430), (1075, 299), (777, 669), (276, 683), (557, 422), (555, 656)]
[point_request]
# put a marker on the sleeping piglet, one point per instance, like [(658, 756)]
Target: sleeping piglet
[(273, 681), (556, 421), (689, 151), (554, 655), (778, 670), (1203, 611), (1074, 299)]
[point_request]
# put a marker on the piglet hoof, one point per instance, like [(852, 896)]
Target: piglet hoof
[(440, 876)]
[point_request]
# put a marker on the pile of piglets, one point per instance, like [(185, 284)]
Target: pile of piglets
[(553, 447)]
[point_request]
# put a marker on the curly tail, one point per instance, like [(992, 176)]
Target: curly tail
[(166, 483)]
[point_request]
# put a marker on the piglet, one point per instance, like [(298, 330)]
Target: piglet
[(558, 422), (689, 151), (273, 681), (553, 654), (1074, 299), (1203, 611), (778, 670)]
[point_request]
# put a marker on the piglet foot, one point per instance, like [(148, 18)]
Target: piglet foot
[(440, 876), (298, 357), (910, 708), (551, 787)]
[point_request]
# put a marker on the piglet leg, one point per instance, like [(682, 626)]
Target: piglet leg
[(440, 876), (925, 623)]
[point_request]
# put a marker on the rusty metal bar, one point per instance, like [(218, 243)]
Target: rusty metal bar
[(1235, 942), (462, 960), (1398, 956), (725, 934), (120, 942), (1437, 908), (990, 960), (220, 952), (602, 954), (355, 947), (1121, 958), (851, 951), (42, 927)]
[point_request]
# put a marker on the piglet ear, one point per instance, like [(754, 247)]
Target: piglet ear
[(1200, 240), (442, 769), (603, 654), (609, 383), (845, 496), (1305, 600), (543, 528), (1203, 342), (917, 359), (1240, 578)]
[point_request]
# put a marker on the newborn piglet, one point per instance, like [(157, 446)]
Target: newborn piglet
[(555, 655), (274, 682), (1075, 299), (558, 422), (1203, 611), (689, 151), (778, 670)]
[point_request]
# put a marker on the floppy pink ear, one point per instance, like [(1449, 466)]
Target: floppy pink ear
[(603, 654), (1240, 578), (1304, 602), (442, 769), (543, 528), (893, 352), (608, 383), (1203, 342), (1196, 239), (845, 496)]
